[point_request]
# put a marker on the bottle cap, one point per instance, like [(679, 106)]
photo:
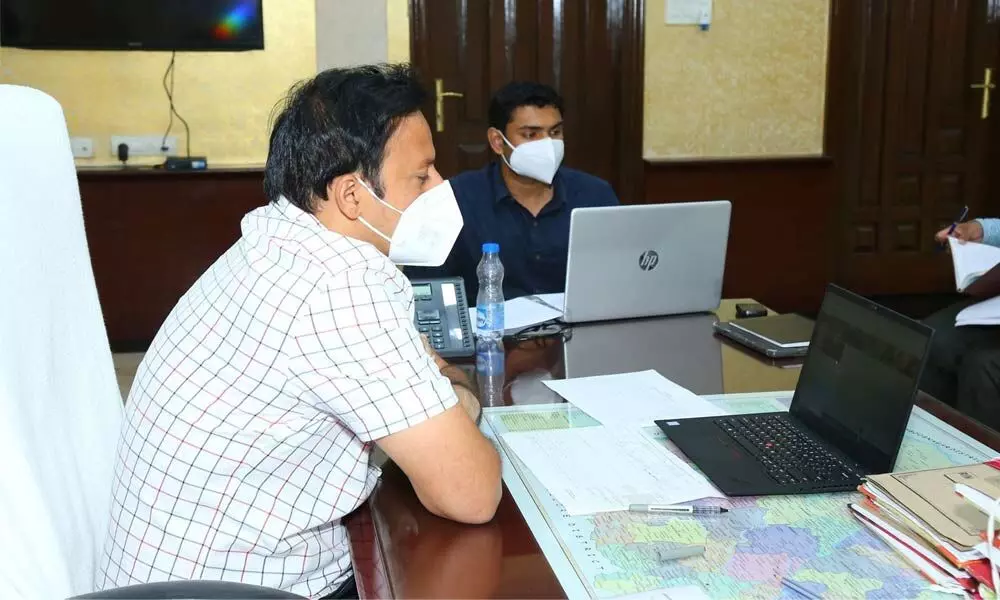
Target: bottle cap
[(491, 248)]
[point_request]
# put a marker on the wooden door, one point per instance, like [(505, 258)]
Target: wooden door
[(913, 144), (589, 50)]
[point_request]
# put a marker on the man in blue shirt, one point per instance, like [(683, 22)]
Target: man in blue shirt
[(963, 367), (523, 199)]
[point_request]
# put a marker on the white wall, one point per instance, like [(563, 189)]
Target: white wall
[(350, 32)]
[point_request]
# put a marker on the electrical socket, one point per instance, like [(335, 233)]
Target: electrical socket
[(144, 145), (83, 147)]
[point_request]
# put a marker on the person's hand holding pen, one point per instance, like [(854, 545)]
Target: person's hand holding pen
[(970, 231)]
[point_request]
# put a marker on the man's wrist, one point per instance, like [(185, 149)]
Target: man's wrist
[(991, 231), (457, 376), (465, 386), (469, 400)]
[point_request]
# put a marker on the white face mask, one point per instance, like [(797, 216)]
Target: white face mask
[(539, 159), (426, 230)]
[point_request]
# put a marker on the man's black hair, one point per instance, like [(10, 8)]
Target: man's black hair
[(336, 123), (517, 94)]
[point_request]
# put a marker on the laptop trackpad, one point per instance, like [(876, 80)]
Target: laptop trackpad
[(723, 460)]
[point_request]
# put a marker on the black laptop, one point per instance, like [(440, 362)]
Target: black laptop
[(847, 418)]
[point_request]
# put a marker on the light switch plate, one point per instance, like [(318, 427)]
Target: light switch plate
[(144, 145), (83, 147)]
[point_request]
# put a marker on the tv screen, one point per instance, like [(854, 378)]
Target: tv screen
[(132, 24)]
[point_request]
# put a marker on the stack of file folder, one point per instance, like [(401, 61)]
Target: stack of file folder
[(936, 530)]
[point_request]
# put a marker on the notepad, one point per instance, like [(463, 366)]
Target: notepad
[(600, 469), (971, 261), (986, 312)]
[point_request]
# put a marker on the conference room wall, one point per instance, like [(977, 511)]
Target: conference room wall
[(780, 238), (738, 113), (227, 97), (184, 221), (352, 32)]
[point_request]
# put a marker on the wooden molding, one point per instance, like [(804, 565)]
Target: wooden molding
[(736, 162)]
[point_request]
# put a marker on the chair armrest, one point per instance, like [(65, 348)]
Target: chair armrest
[(177, 590)]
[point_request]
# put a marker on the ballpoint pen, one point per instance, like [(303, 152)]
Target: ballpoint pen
[(677, 510), (960, 219), (799, 589)]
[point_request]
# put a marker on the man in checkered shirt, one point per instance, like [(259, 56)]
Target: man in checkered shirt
[(251, 423)]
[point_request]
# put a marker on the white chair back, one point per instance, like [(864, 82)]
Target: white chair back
[(60, 406)]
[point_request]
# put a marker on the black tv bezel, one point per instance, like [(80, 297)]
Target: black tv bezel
[(258, 44)]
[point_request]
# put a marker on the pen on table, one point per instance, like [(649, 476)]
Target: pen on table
[(960, 219), (677, 510), (680, 552), (800, 589)]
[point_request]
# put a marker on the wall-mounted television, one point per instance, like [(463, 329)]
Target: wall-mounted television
[(226, 25)]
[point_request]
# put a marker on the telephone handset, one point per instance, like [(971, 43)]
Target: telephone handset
[(442, 314)]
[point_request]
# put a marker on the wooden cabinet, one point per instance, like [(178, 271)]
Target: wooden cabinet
[(152, 233)]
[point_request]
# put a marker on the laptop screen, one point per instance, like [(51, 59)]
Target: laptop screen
[(860, 377)]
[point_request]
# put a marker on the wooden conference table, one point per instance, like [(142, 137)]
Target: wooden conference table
[(401, 550)]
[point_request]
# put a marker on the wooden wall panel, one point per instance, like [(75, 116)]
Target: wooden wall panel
[(904, 124), (569, 45), (152, 233), (781, 236)]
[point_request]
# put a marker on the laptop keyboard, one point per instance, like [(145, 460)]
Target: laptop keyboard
[(789, 456)]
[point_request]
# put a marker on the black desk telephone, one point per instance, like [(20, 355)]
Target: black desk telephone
[(442, 314)]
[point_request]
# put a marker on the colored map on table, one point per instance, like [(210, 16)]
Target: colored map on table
[(812, 540)]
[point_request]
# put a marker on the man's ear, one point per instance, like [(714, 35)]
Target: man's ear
[(344, 194), (495, 138)]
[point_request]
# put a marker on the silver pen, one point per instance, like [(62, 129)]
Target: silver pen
[(677, 509)]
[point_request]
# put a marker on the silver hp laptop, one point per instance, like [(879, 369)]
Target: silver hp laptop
[(645, 260)]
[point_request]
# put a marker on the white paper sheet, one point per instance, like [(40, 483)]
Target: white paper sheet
[(556, 301), (521, 313), (971, 260), (600, 469), (687, 592), (986, 312), (633, 399)]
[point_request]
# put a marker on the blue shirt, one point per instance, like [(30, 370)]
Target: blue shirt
[(991, 231), (532, 249)]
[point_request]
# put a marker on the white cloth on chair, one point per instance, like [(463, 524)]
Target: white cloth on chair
[(60, 406)]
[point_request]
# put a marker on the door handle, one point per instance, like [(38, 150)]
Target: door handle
[(986, 86), (439, 96)]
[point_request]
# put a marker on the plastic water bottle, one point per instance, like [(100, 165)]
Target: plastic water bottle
[(489, 302), (490, 371)]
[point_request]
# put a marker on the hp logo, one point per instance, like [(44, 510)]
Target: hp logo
[(648, 260)]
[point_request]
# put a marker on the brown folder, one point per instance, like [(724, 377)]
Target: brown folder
[(930, 497)]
